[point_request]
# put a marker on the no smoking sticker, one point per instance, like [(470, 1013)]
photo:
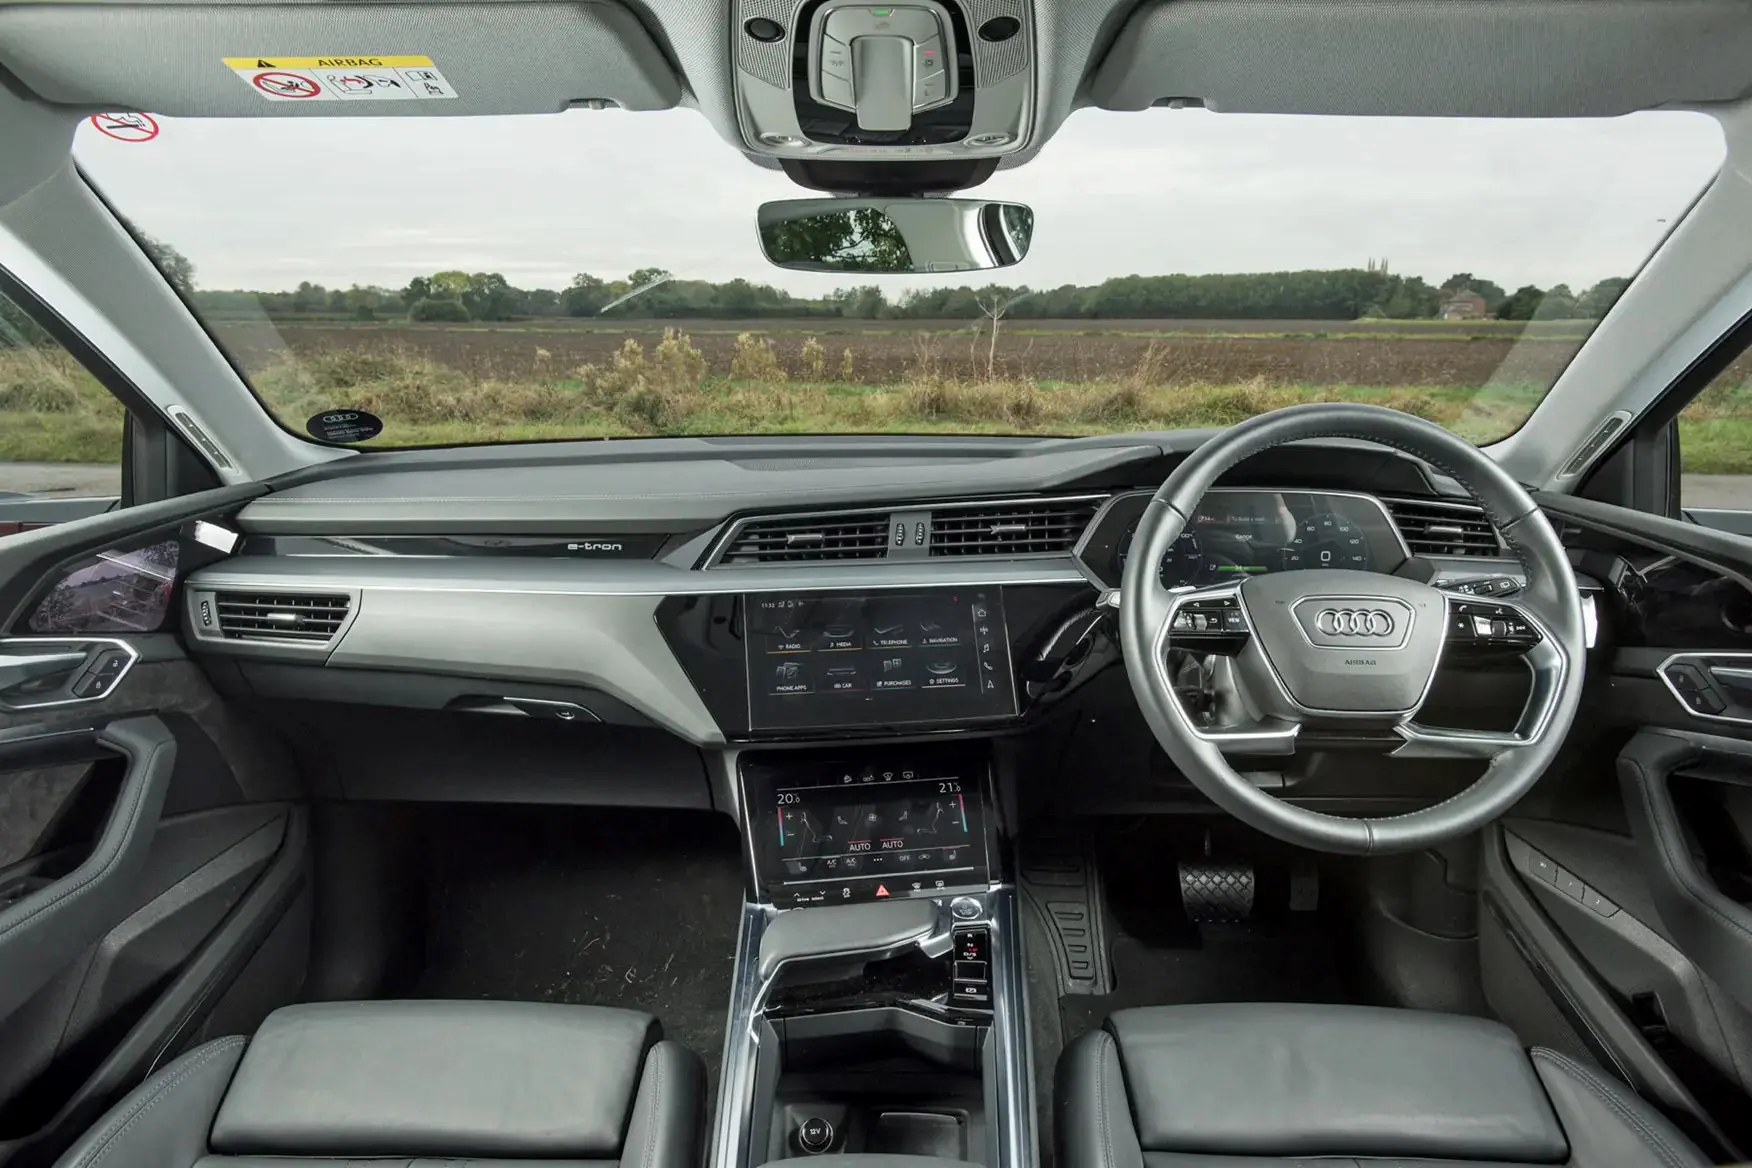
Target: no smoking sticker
[(126, 127), (342, 78)]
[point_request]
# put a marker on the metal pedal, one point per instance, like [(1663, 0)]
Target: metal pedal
[(1216, 892)]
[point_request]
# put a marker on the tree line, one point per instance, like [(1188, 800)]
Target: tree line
[(1345, 294), (1371, 292)]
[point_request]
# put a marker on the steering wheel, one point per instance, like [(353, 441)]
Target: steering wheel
[(1324, 651)]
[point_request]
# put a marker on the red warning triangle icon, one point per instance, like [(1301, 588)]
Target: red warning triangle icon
[(882, 890)]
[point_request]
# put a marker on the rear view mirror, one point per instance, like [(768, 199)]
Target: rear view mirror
[(894, 235)]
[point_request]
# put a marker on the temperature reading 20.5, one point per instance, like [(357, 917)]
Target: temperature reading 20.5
[(948, 786)]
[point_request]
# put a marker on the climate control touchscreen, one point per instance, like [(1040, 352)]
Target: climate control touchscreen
[(834, 833), (831, 659)]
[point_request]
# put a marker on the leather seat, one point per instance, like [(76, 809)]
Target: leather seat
[(492, 1083), (1249, 1086)]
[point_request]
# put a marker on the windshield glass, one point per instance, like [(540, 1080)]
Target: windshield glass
[(597, 273)]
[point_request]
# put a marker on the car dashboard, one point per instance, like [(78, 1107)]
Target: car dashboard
[(896, 606)]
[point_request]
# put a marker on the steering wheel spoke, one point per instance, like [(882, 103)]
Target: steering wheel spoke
[(1495, 629)]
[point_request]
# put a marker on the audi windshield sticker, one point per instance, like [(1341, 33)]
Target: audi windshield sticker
[(344, 426)]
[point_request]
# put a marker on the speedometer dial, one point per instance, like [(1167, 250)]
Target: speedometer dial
[(1184, 563), (1327, 540)]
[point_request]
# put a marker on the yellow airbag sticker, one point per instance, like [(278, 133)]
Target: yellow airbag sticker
[(360, 77)]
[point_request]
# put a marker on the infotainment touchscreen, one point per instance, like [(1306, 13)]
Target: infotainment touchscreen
[(832, 659)]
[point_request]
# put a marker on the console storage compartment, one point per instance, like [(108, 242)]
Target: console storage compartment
[(878, 1081)]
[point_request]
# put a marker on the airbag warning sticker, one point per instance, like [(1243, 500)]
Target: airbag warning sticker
[(361, 78)]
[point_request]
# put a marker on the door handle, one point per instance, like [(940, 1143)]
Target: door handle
[(17, 670)]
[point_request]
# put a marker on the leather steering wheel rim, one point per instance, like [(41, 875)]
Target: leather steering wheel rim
[(1550, 601)]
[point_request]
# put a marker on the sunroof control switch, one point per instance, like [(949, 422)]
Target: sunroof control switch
[(884, 63)]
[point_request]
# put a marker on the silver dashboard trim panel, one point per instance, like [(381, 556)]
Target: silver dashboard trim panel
[(567, 622)]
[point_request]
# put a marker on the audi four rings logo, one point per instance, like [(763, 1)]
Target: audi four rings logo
[(1354, 622)]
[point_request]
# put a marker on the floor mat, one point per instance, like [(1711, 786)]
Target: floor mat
[(602, 907), (1280, 961)]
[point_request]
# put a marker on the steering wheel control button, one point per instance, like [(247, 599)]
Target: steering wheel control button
[(815, 1135), (1485, 586), (1488, 627), (1209, 624)]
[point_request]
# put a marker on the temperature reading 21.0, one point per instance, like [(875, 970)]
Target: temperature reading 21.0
[(948, 786)]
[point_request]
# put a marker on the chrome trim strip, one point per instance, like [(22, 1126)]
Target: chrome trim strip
[(735, 527), (614, 578), (1012, 1113), (730, 1134)]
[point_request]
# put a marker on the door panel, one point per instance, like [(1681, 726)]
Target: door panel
[(1690, 803), (54, 916), (1628, 867), (152, 841)]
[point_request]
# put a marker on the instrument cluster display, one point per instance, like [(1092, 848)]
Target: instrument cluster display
[(1237, 533)]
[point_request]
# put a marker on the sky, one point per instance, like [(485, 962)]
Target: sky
[(267, 203)]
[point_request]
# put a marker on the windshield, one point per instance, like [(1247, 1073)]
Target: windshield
[(417, 281)]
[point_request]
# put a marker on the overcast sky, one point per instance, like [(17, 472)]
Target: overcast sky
[(267, 203)]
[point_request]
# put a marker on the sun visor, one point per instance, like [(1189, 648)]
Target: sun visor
[(1431, 58), (256, 60)]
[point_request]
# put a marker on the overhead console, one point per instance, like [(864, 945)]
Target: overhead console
[(919, 80)]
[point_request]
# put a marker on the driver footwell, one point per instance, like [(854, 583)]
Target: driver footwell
[(1264, 950)]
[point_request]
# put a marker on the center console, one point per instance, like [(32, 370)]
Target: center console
[(878, 995)]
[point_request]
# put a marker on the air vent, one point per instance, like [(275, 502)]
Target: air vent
[(1444, 529), (1049, 527), (808, 538), (259, 616)]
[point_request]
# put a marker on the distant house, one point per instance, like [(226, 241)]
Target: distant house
[(1465, 304)]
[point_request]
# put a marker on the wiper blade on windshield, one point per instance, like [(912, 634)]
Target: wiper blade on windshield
[(639, 291)]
